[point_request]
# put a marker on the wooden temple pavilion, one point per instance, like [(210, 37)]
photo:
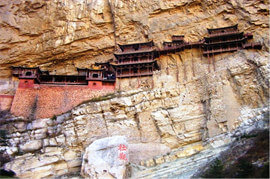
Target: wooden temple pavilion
[(30, 73), (135, 60), (177, 44), (138, 59), (226, 39), (95, 76)]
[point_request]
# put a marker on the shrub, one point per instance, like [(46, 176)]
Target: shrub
[(245, 168), (54, 118), (216, 170), (3, 137)]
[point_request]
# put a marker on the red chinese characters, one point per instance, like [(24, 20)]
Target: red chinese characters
[(122, 147), (122, 152)]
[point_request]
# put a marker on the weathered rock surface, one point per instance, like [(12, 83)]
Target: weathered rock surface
[(65, 138), (106, 157), (191, 107), (60, 36)]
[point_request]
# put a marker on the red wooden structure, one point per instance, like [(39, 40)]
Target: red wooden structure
[(138, 59), (95, 78), (227, 39), (178, 44), (135, 60)]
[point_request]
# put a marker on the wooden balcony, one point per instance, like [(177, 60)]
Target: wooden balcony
[(223, 50), (255, 45), (173, 48), (134, 74), (225, 42), (64, 83), (63, 80), (133, 62)]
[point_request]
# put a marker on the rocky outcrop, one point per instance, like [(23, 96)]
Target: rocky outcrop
[(189, 106), (106, 157), (60, 36), (176, 117)]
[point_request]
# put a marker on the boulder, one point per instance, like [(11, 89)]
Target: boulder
[(107, 157), (31, 146)]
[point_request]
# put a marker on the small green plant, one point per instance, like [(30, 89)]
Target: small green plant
[(54, 118), (216, 170), (247, 136), (245, 168), (3, 137)]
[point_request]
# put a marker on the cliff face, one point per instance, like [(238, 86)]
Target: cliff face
[(61, 35), (186, 105)]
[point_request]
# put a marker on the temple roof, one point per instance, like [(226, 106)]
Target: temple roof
[(139, 43), (25, 67), (178, 38), (182, 36), (225, 34), (134, 63), (102, 63), (221, 28), (173, 42), (82, 69), (30, 68), (134, 52)]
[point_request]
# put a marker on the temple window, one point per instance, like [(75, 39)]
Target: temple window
[(135, 70), (136, 47), (28, 73), (95, 75)]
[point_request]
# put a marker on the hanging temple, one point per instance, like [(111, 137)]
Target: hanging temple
[(138, 60)]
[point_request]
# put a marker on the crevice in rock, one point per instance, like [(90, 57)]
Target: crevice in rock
[(105, 123), (157, 129), (137, 120), (236, 88)]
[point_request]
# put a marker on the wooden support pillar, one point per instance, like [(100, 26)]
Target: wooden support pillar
[(119, 79), (192, 61), (138, 78), (167, 68), (209, 62), (213, 61)]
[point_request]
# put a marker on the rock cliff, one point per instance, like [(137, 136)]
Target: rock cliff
[(189, 106), (61, 35)]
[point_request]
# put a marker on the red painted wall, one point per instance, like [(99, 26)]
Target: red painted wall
[(45, 101), (108, 86), (26, 83), (95, 85)]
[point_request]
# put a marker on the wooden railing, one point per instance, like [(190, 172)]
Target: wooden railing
[(224, 33), (134, 74), (221, 50), (134, 62), (64, 83), (227, 41), (252, 45)]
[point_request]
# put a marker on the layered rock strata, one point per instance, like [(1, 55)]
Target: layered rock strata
[(60, 36), (174, 116), (186, 105)]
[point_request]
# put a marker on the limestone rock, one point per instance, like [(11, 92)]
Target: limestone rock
[(106, 157), (31, 146)]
